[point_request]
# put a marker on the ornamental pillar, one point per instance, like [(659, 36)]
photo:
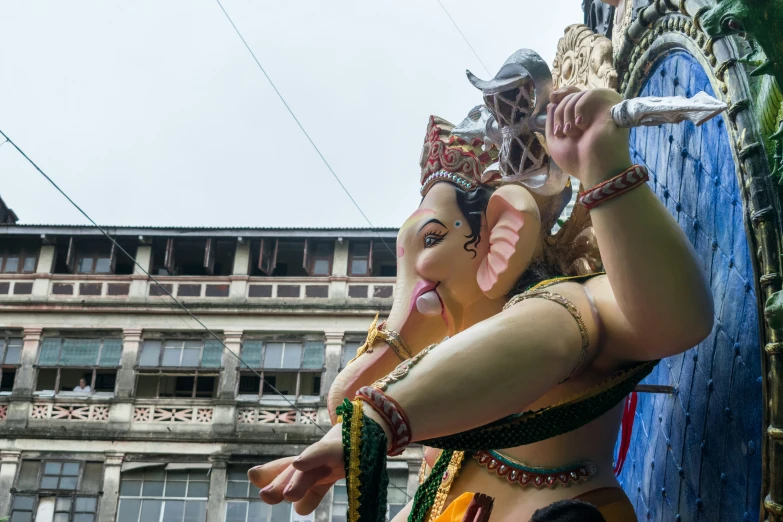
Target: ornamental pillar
[(216, 505), (333, 354), (9, 464), (112, 468)]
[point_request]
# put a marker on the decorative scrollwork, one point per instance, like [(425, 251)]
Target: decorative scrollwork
[(584, 59)]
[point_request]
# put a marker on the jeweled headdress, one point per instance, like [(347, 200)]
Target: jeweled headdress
[(459, 155), (500, 143)]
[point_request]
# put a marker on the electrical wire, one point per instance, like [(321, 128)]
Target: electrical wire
[(463, 36), (301, 127), (165, 290)]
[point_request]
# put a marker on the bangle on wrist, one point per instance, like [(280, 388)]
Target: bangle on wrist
[(392, 413), (626, 181)]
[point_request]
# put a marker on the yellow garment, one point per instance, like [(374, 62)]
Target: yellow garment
[(611, 502), (457, 509)]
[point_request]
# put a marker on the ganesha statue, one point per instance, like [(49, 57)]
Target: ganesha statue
[(510, 349)]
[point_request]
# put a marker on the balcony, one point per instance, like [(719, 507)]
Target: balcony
[(137, 290)]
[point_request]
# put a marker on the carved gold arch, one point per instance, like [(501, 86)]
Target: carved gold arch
[(584, 59)]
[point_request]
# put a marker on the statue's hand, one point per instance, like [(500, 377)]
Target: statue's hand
[(581, 136), (303, 480)]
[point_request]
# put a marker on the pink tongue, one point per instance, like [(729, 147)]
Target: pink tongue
[(429, 304)]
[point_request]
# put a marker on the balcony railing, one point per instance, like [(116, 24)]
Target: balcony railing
[(136, 289)]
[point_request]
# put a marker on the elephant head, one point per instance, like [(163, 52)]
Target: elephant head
[(471, 241), (760, 20)]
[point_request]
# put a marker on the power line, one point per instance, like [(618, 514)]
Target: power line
[(463, 37), (301, 127), (150, 277)]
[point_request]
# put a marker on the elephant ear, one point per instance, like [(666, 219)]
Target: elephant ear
[(514, 224)]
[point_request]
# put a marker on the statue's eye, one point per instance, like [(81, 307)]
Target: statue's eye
[(732, 24), (432, 239)]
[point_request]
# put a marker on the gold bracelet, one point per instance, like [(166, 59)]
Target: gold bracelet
[(390, 337), (570, 307)]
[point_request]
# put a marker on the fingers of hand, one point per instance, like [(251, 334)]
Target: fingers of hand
[(573, 123), (302, 481), (262, 476), (326, 452), (558, 95), (311, 499), (559, 117), (273, 493), (550, 122)]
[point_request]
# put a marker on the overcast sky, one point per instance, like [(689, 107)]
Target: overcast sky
[(152, 112)]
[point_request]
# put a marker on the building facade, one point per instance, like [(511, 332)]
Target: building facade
[(116, 405)]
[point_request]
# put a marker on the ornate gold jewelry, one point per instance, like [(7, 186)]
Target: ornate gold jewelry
[(570, 307), (402, 369), (423, 471), (383, 334), (445, 484)]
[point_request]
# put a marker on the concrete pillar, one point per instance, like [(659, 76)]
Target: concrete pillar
[(126, 375), (9, 464), (112, 467), (230, 363), (46, 259), (143, 258), (25, 376), (138, 288), (323, 513), (414, 466), (333, 353), (216, 505), (45, 266), (241, 258), (340, 262)]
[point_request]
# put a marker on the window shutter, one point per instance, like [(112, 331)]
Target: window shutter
[(168, 261), (313, 358), (369, 260), (70, 257), (267, 257), (209, 256), (213, 354), (113, 258), (306, 259)]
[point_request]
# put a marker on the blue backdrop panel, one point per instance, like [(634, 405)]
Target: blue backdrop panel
[(695, 455)]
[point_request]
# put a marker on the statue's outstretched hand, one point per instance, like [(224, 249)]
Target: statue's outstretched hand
[(581, 136), (303, 480)]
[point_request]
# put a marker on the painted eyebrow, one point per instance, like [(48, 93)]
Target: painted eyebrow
[(433, 220)]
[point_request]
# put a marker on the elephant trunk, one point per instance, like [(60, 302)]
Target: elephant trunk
[(417, 319)]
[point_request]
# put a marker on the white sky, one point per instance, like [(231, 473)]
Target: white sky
[(152, 112)]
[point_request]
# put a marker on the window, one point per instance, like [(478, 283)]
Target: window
[(359, 258), (57, 491), (22, 509), (243, 504), (349, 352), (190, 368), (10, 358), (396, 496), (64, 362), (19, 257), (292, 367), (60, 475), (156, 495), (193, 257), (318, 257)]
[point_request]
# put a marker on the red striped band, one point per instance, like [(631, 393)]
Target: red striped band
[(617, 186), (393, 415)]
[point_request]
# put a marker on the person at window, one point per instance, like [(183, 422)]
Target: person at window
[(83, 387)]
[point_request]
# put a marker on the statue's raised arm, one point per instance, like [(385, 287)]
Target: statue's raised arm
[(515, 349)]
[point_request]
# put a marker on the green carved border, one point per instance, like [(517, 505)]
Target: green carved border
[(668, 24)]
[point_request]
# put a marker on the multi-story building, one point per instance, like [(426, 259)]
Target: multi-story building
[(116, 405)]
